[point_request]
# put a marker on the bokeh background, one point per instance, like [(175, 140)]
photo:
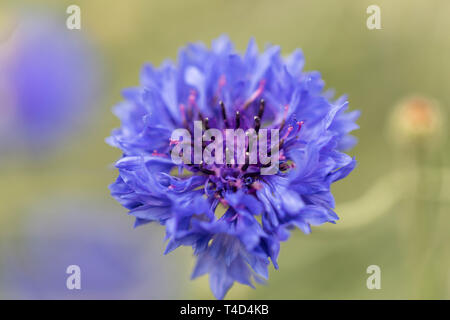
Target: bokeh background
[(57, 88)]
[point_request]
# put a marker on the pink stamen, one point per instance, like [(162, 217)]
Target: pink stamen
[(183, 112), (257, 185), (286, 109), (173, 141), (157, 154), (217, 171), (222, 82), (300, 124), (192, 97), (288, 132), (256, 94)]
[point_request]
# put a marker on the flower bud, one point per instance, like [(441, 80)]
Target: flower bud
[(416, 120)]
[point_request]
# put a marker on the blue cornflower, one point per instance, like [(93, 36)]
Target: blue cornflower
[(233, 217)]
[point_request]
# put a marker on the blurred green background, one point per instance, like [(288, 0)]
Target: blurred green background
[(394, 207)]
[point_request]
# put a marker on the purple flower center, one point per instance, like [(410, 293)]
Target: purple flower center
[(223, 178)]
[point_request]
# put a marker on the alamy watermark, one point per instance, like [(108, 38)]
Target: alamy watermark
[(73, 21), (373, 22), (74, 280), (374, 280)]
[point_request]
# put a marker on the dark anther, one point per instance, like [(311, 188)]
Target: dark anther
[(252, 174), (257, 123), (282, 125), (224, 113), (200, 115), (189, 113), (206, 123), (238, 119), (247, 162), (248, 180), (262, 105), (207, 171)]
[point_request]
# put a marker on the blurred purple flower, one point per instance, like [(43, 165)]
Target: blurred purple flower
[(113, 265), (49, 75), (232, 216)]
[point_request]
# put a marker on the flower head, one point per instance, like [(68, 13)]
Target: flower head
[(232, 215)]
